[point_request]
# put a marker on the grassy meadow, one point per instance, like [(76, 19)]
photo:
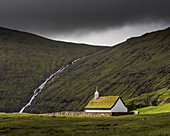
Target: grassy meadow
[(154, 109), (15, 124)]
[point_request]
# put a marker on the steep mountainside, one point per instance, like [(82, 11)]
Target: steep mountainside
[(26, 60), (138, 70)]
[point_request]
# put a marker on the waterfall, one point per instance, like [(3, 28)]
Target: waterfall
[(48, 80)]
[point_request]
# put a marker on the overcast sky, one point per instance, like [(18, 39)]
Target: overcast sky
[(100, 22)]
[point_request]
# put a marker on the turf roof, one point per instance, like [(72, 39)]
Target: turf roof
[(102, 102)]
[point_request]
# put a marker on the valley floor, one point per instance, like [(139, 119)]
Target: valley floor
[(16, 124)]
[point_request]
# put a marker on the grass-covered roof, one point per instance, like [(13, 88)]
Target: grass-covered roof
[(102, 102)]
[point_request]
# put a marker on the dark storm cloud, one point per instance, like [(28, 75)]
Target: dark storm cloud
[(64, 16)]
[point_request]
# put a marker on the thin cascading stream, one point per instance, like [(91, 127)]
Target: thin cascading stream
[(48, 80)]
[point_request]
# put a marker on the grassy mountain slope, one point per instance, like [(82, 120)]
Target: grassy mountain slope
[(26, 60), (138, 70), (154, 109)]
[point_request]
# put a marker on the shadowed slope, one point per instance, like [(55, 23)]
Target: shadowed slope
[(26, 60)]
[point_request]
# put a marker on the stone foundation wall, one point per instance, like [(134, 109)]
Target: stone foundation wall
[(89, 113)]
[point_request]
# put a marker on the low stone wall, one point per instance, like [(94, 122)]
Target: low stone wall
[(89, 113)]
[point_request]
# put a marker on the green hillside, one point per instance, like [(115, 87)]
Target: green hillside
[(155, 109), (26, 60), (138, 70)]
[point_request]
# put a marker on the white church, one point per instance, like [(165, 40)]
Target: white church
[(105, 104)]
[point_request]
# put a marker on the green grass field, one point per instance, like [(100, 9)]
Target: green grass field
[(154, 109), (16, 124)]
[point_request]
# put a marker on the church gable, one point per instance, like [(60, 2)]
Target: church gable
[(119, 106)]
